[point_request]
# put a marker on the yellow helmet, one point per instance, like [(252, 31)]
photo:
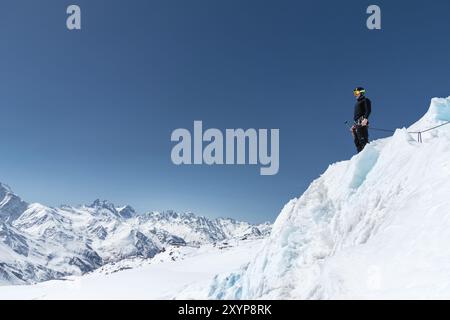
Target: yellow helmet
[(359, 91)]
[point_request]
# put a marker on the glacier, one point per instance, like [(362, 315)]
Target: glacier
[(374, 227)]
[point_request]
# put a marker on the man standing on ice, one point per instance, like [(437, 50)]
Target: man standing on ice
[(363, 108)]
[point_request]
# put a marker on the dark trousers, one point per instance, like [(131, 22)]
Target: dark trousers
[(361, 137)]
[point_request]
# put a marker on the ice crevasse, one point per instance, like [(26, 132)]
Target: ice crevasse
[(375, 226)]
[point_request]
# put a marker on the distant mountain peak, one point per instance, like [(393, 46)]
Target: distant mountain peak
[(127, 212), (103, 204), (11, 205), (5, 188)]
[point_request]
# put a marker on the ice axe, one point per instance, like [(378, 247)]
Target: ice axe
[(351, 128)]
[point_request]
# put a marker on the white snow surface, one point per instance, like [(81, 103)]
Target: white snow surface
[(374, 227), (170, 274)]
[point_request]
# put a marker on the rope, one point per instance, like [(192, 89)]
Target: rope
[(429, 129), (419, 133)]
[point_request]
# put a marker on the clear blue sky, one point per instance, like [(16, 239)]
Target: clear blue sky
[(89, 114)]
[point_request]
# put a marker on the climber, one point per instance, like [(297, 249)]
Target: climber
[(360, 127)]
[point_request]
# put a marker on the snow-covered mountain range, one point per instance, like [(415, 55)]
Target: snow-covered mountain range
[(39, 243)]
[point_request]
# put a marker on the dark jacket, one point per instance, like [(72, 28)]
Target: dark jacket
[(363, 108)]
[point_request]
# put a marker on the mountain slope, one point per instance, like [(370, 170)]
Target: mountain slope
[(11, 206), (376, 226)]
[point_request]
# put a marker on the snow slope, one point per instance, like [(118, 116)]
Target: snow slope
[(376, 226), (159, 278)]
